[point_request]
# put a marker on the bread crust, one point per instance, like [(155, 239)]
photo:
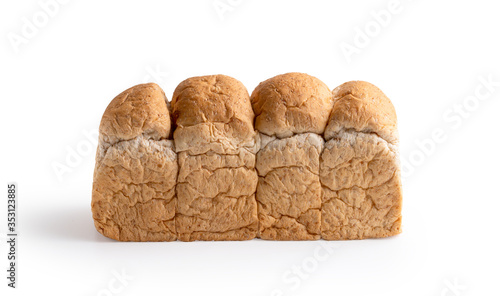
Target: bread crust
[(362, 107), (362, 191), (133, 192), (291, 114), (216, 144), (289, 192), (220, 179), (359, 167), (291, 103), (217, 107), (141, 109)]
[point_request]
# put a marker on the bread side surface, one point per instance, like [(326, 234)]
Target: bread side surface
[(133, 193), (362, 193), (289, 191), (133, 196), (216, 146)]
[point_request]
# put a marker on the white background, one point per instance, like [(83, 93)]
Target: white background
[(427, 56)]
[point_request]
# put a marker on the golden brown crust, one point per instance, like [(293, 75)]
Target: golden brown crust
[(141, 109), (133, 193), (363, 107), (359, 171), (217, 101), (209, 184), (216, 196), (217, 178), (289, 191), (291, 103), (362, 191)]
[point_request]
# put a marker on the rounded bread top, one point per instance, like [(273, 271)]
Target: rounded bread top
[(216, 99), (141, 109), (362, 107), (291, 103)]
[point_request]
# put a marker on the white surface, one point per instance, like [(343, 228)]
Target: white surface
[(428, 58)]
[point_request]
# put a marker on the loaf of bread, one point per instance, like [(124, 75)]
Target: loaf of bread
[(294, 161)]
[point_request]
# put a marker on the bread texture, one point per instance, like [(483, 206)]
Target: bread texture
[(362, 107), (359, 167), (292, 110), (216, 146), (133, 194), (293, 161), (212, 113), (140, 110), (291, 103), (289, 191)]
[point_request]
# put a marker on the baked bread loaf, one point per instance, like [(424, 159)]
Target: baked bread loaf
[(291, 114), (359, 166), (216, 145), (293, 162), (133, 194)]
